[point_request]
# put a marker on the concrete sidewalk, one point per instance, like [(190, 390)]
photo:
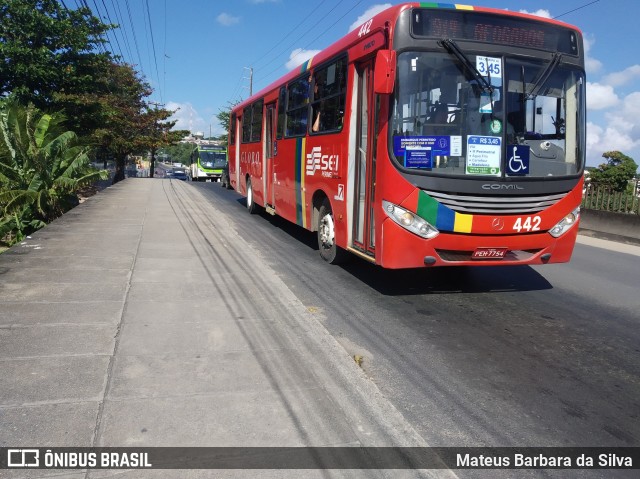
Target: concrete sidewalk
[(141, 318)]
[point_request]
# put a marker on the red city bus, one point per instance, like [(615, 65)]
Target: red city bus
[(433, 135)]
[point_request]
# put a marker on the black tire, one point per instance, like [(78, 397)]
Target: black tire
[(329, 251), (251, 204), (225, 182)]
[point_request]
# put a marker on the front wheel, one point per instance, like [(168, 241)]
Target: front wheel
[(224, 180), (251, 205), (329, 251)]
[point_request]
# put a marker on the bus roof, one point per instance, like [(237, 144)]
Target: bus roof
[(379, 23)]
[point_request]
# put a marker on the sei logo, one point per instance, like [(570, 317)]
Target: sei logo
[(316, 161)]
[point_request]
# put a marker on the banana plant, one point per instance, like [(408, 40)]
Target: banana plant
[(42, 165)]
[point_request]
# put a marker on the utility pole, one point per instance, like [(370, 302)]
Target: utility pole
[(152, 163)]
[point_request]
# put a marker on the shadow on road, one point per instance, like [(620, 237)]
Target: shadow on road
[(447, 280)]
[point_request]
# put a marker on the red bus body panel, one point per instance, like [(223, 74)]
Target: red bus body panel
[(318, 165)]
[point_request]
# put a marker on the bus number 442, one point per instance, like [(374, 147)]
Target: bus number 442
[(529, 224)]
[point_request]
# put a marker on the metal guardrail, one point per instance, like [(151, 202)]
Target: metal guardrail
[(604, 198)]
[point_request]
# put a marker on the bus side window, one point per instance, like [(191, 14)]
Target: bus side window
[(246, 125), (256, 124), (297, 107), (252, 122), (232, 130), (329, 97)]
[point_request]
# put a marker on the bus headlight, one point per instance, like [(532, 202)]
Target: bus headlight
[(409, 220), (565, 223)]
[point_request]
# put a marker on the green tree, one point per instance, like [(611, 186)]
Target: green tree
[(180, 153), (157, 132), (127, 123), (224, 117), (616, 172), (47, 48), (121, 111), (50, 58), (42, 165)]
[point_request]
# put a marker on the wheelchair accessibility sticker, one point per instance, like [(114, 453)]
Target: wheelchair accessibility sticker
[(517, 160)]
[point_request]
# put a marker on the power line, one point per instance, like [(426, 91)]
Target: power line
[(262, 57), (153, 44), (237, 91), (334, 24), (275, 58), (119, 17), (101, 47), (576, 9), (324, 32), (135, 38), (164, 56), (113, 33)]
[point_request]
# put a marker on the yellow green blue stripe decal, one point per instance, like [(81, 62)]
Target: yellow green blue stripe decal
[(445, 6), (306, 65), (442, 217), (300, 163)]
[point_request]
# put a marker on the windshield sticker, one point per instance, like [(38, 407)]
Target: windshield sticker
[(518, 160), (487, 101), (418, 151), (490, 68), (495, 126), (483, 155), (417, 157), (486, 105), (456, 145)]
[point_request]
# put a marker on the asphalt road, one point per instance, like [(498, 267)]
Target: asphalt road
[(515, 356)]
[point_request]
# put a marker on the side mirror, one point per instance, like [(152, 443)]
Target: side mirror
[(384, 78)]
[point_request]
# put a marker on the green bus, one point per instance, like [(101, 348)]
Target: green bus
[(207, 162)]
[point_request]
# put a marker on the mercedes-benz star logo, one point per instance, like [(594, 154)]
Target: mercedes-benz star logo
[(498, 224)]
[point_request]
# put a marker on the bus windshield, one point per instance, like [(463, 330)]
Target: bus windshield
[(463, 114), (213, 159)]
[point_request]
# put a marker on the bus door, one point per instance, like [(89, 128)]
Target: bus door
[(270, 148), (363, 224)]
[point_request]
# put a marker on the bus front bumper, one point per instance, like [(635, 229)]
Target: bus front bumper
[(401, 249)]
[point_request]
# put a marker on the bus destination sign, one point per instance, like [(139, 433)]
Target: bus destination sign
[(482, 27)]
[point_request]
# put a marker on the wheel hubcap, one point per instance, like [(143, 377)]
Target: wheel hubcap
[(326, 231)]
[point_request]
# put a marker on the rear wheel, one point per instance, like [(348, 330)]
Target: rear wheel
[(251, 205), (329, 251)]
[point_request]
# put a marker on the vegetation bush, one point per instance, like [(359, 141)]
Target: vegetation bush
[(42, 167)]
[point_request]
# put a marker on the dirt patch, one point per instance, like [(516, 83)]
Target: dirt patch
[(89, 191)]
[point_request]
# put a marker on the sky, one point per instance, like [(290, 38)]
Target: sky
[(202, 55)]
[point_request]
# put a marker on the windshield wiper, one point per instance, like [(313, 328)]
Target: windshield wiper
[(452, 48), (544, 76)]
